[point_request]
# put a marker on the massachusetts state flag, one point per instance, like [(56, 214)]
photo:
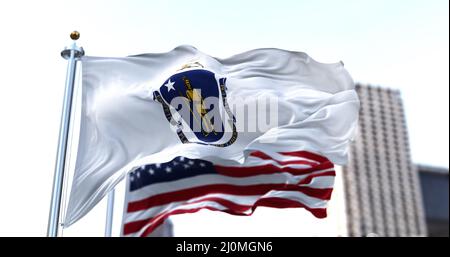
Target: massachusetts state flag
[(183, 185), (267, 125)]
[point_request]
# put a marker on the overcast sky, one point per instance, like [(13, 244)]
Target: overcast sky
[(399, 44)]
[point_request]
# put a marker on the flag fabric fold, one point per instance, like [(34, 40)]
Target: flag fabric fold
[(134, 114)]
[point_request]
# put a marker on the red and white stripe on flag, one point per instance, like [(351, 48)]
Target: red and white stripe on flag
[(282, 180)]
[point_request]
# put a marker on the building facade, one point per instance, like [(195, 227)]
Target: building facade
[(382, 189), (434, 184)]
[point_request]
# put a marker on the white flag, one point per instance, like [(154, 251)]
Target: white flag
[(152, 108)]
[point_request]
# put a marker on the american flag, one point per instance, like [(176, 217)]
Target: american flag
[(281, 180)]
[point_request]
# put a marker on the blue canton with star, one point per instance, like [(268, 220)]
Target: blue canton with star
[(178, 168)]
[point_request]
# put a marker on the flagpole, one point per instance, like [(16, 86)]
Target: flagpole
[(72, 54), (109, 214)]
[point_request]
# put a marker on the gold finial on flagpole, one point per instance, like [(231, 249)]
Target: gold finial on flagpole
[(75, 35)]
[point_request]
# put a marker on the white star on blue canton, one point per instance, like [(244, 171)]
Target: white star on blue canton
[(169, 85), (158, 165), (202, 164), (191, 162), (186, 166), (151, 171), (132, 178), (168, 169), (182, 159)]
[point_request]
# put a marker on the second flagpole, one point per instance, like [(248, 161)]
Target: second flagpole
[(109, 214)]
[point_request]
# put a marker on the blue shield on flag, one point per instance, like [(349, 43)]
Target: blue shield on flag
[(185, 93)]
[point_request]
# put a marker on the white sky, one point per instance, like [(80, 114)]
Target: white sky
[(400, 44)]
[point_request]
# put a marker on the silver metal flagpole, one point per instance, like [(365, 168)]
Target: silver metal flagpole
[(109, 214), (72, 53)]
